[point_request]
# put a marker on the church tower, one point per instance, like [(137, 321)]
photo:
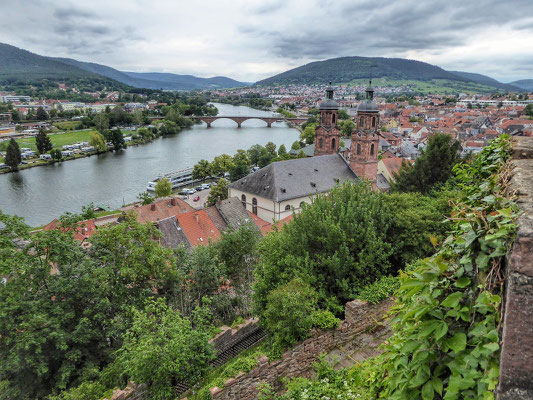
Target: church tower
[(327, 133), (365, 139)]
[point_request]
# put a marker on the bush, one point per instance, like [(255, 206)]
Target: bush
[(380, 290)]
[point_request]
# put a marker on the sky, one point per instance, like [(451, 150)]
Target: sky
[(249, 40)]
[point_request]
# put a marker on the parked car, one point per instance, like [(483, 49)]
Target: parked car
[(199, 188), (205, 185), (196, 198), (187, 191)]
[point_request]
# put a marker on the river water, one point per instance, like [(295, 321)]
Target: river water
[(41, 194)]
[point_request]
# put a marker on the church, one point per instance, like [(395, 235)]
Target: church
[(275, 191)]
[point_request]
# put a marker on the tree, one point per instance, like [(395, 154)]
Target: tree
[(529, 110), (221, 164), (271, 148), (117, 139), (254, 153), (43, 142), (162, 348), (145, 198), (201, 170), (241, 165), (163, 188), (308, 134), (343, 115), (13, 156), (282, 150), (169, 128), (97, 140), (42, 115), (433, 166), (101, 122), (296, 145), (347, 127), (219, 191), (56, 154)]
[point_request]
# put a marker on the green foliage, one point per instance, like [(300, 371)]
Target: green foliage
[(220, 190), (43, 143), (86, 391), (221, 164), (41, 115), (433, 166), (446, 341), (308, 134), (379, 290), (288, 315), (528, 110), (162, 348), (145, 198), (241, 165), (201, 170), (347, 127), (282, 150), (13, 157), (343, 115), (97, 140), (56, 154), (296, 145), (117, 139), (169, 127), (163, 188)]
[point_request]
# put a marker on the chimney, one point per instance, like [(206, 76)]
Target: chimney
[(219, 202), (173, 201), (152, 206), (196, 217)]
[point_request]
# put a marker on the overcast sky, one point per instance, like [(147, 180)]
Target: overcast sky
[(249, 40)]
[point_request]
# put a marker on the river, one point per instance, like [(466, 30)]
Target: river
[(41, 194)]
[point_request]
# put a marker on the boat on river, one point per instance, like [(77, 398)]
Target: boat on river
[(177, 179)]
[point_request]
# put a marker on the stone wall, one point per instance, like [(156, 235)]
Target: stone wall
[(360, 317), (516, 368)]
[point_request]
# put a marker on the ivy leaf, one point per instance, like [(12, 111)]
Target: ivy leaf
[(452, 300), (427, 391), (457, 342)]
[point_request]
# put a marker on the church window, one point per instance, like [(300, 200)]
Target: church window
[(372, 149), (254, 206), (320, 143), (243, 199), (333, 118), (361, 120), (358, 148), (373, 122), (333, 144), (287, 207)]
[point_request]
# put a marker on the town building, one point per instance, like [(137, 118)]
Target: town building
[(327, 133)]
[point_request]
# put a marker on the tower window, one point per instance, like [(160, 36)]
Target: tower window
[(372, 149), (361, 120), (333, 118), (254, 206), (243, 199), (320, 143), (373, 122), (333, 144), (358, 148)]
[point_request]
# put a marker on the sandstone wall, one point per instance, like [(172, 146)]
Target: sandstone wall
[(516, 368), (360, 317)]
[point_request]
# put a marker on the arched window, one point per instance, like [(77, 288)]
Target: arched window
[(373, 122), (372, 149), (254, 206), (361, 120), (358, 148), (243, 199), (320, 143), (333, 144), (287, 207), (333, 118)]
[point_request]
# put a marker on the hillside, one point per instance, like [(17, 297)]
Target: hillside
[(418, 76), (346, 69), (22, 65), (487, 80), (526, 84)]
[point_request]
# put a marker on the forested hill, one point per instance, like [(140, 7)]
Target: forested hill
[(526, 84), (18, 65), (487, 80), (346, 69)]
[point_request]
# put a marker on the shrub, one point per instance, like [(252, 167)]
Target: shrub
[(380, 290)]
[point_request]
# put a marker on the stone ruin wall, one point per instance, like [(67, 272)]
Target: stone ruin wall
[(360, 317)]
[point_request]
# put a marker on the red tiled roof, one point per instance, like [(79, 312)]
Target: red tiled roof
[(394, 163), (198, 227), (163, 209), (84, 230)]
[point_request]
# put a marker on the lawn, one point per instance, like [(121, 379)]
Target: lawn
[(58, 140)]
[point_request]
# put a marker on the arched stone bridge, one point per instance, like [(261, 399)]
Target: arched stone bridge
[(240, 119)]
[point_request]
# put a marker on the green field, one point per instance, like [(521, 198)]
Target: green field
[(434, 86), (67, 125), (58, 140)]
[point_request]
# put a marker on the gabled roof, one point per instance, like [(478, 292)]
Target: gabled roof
[(84, 229), (161, 209), (172, 234), (198, 227), (284, 180), (233, 212)]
